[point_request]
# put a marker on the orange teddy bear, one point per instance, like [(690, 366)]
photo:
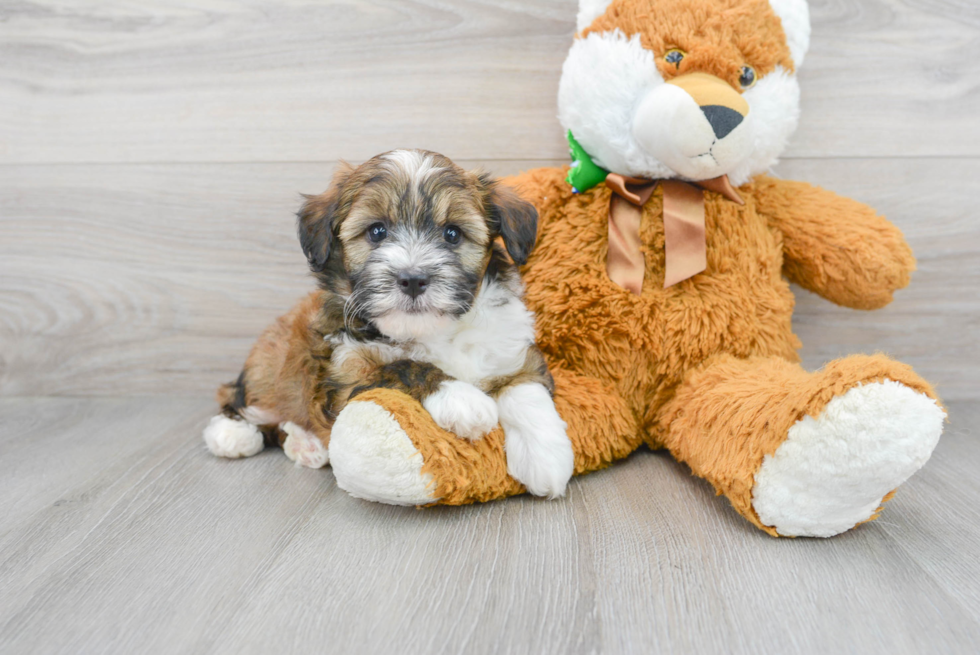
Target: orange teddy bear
[(661, 286)]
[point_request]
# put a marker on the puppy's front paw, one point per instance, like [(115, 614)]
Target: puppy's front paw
[(462, 409), (303, 447), (539, 453), (539, 458)]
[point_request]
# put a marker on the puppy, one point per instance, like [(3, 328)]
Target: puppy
[(416, 294)]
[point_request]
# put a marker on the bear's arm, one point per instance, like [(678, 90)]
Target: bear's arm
[(834, 246), (546, 189)]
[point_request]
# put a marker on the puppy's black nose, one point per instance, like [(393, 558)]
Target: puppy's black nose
[(412, 285), (722, 119)]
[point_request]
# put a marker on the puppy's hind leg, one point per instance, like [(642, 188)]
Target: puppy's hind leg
[(235, 432), (233, 437), (303, 447)]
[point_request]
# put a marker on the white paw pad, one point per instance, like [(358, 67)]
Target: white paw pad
[(539, 453), (227, 437), (303, 447), (833, 471), (462, 409)]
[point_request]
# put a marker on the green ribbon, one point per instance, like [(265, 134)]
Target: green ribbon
[(584, 173)]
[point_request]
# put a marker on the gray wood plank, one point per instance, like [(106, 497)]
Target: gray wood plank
[(47, 450), (933, 523), (166, 549), (934, 324), (718, 585), (121, 279), (205, 81)]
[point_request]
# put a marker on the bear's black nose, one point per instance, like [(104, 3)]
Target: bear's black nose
[(412, 285), (722, 119)]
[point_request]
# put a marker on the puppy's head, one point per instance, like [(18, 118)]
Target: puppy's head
[(407, 238)]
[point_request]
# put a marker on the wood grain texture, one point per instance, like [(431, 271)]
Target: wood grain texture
[(148, 544), (91, 81), (153, 279)]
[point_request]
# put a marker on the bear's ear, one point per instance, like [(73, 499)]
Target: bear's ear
[(511, 217), (319, 217), (588, 11), (795, 16)]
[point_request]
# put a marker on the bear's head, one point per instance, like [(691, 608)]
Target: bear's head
[(687, 89)]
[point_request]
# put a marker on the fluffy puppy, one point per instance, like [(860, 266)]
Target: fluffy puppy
[(416, 294)]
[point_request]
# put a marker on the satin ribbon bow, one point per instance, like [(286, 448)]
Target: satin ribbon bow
[(685, 249), (684, 240)]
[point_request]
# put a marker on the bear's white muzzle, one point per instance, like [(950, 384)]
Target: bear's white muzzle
[(696, 124)]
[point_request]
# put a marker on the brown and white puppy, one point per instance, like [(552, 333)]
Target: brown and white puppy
[(416, 295)]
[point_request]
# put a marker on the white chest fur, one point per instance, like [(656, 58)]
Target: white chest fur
[(490, 340)]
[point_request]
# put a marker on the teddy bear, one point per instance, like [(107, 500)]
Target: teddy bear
[(661, 285)]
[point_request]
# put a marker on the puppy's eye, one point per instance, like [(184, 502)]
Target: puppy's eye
[(747, 77), (377, 232), (675, 56), (452, 234)]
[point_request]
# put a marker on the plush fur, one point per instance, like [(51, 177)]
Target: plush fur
[(385, 466), (808, 487), (416, 295), (706, 368), (615, 95)]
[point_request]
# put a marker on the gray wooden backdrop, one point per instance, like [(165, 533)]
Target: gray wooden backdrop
[(151, 157)]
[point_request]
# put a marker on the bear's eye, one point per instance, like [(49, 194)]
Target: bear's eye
[(675, 56), (377, 232), (452, 234), (747, 77)]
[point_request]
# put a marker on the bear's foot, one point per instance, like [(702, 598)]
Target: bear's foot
[(834, 471), (799, 453), (373, 458)]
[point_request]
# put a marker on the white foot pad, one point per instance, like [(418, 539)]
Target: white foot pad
[(539, 454), (461, 408), (373, 458), (226, 437), (303, 447), (832, 471)]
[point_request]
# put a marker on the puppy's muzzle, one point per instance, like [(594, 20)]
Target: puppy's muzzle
[(413, 285)]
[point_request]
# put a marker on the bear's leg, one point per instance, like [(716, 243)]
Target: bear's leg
[(385, 447), (798, 453)]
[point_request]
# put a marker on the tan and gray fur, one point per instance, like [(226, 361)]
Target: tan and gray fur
[(419, 292)]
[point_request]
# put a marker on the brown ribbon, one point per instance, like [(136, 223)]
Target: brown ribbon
[(684, 237)]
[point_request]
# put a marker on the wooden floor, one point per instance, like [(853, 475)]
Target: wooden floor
[(126, 536), (151, 158)]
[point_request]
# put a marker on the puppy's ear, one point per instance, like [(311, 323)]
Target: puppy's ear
[(318, 219), (513, 218)]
